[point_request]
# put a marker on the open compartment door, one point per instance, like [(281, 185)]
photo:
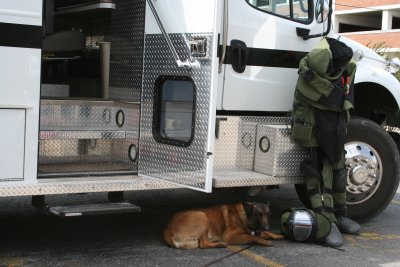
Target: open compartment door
[(178, 99)]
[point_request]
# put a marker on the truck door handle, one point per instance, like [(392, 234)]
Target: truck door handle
[(238, 55)]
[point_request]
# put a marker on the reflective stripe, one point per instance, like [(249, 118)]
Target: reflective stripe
[(19, 35), (268, 57)]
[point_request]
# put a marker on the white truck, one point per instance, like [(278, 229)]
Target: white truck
[(124, 95)]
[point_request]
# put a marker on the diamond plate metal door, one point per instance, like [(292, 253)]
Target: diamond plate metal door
[(180, 44)]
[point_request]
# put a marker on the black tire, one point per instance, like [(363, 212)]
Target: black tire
[(363, 206)]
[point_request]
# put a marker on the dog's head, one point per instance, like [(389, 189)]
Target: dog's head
[(257, 215)]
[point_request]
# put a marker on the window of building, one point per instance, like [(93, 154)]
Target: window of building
[(395, 23), (174, 110), (343, 28), (297, 10)]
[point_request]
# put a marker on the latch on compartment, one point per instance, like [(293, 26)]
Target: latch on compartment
[(198, 47)]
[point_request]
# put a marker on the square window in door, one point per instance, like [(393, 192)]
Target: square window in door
[(174, 110)]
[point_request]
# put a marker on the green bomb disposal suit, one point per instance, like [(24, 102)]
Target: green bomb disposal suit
[(322, 99)]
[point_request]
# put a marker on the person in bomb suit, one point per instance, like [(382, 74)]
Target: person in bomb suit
[(322, 100)]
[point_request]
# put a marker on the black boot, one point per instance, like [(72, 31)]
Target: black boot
[(348, 226), (334, 238)]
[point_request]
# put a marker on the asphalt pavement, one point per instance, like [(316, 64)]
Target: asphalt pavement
[(30, 238)]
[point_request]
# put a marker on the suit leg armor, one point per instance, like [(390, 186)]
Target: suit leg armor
[(319, 184), (339, 192)]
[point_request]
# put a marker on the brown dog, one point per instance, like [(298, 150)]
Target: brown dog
[(221, 226)]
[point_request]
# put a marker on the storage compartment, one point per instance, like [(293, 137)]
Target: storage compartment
[(88, 137), (277, 154), (91, 85), (74, 32), (12, 144), (95, 48)]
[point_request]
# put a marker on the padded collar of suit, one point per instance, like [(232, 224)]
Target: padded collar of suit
[(320, 60)]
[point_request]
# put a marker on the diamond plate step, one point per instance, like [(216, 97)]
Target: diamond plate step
[(94, 209)]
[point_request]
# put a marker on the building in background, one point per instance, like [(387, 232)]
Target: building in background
[(369, 22)]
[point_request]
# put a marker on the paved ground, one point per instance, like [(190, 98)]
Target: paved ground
[(29, 238)]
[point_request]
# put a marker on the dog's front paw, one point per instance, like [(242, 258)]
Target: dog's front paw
[(271, 235), (278, 237), (264, 242)]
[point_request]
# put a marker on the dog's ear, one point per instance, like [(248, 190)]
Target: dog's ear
[(268, 204)]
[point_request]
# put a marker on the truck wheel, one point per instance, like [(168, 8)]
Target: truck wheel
[(372, 162)]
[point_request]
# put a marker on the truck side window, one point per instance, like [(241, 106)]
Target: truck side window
[(174, 110), (297, 10)]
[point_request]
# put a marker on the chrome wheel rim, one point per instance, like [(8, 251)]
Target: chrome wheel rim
[(364, 171)]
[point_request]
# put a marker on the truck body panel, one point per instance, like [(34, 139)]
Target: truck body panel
[(273, 55), (20, 88), (22, 12)]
